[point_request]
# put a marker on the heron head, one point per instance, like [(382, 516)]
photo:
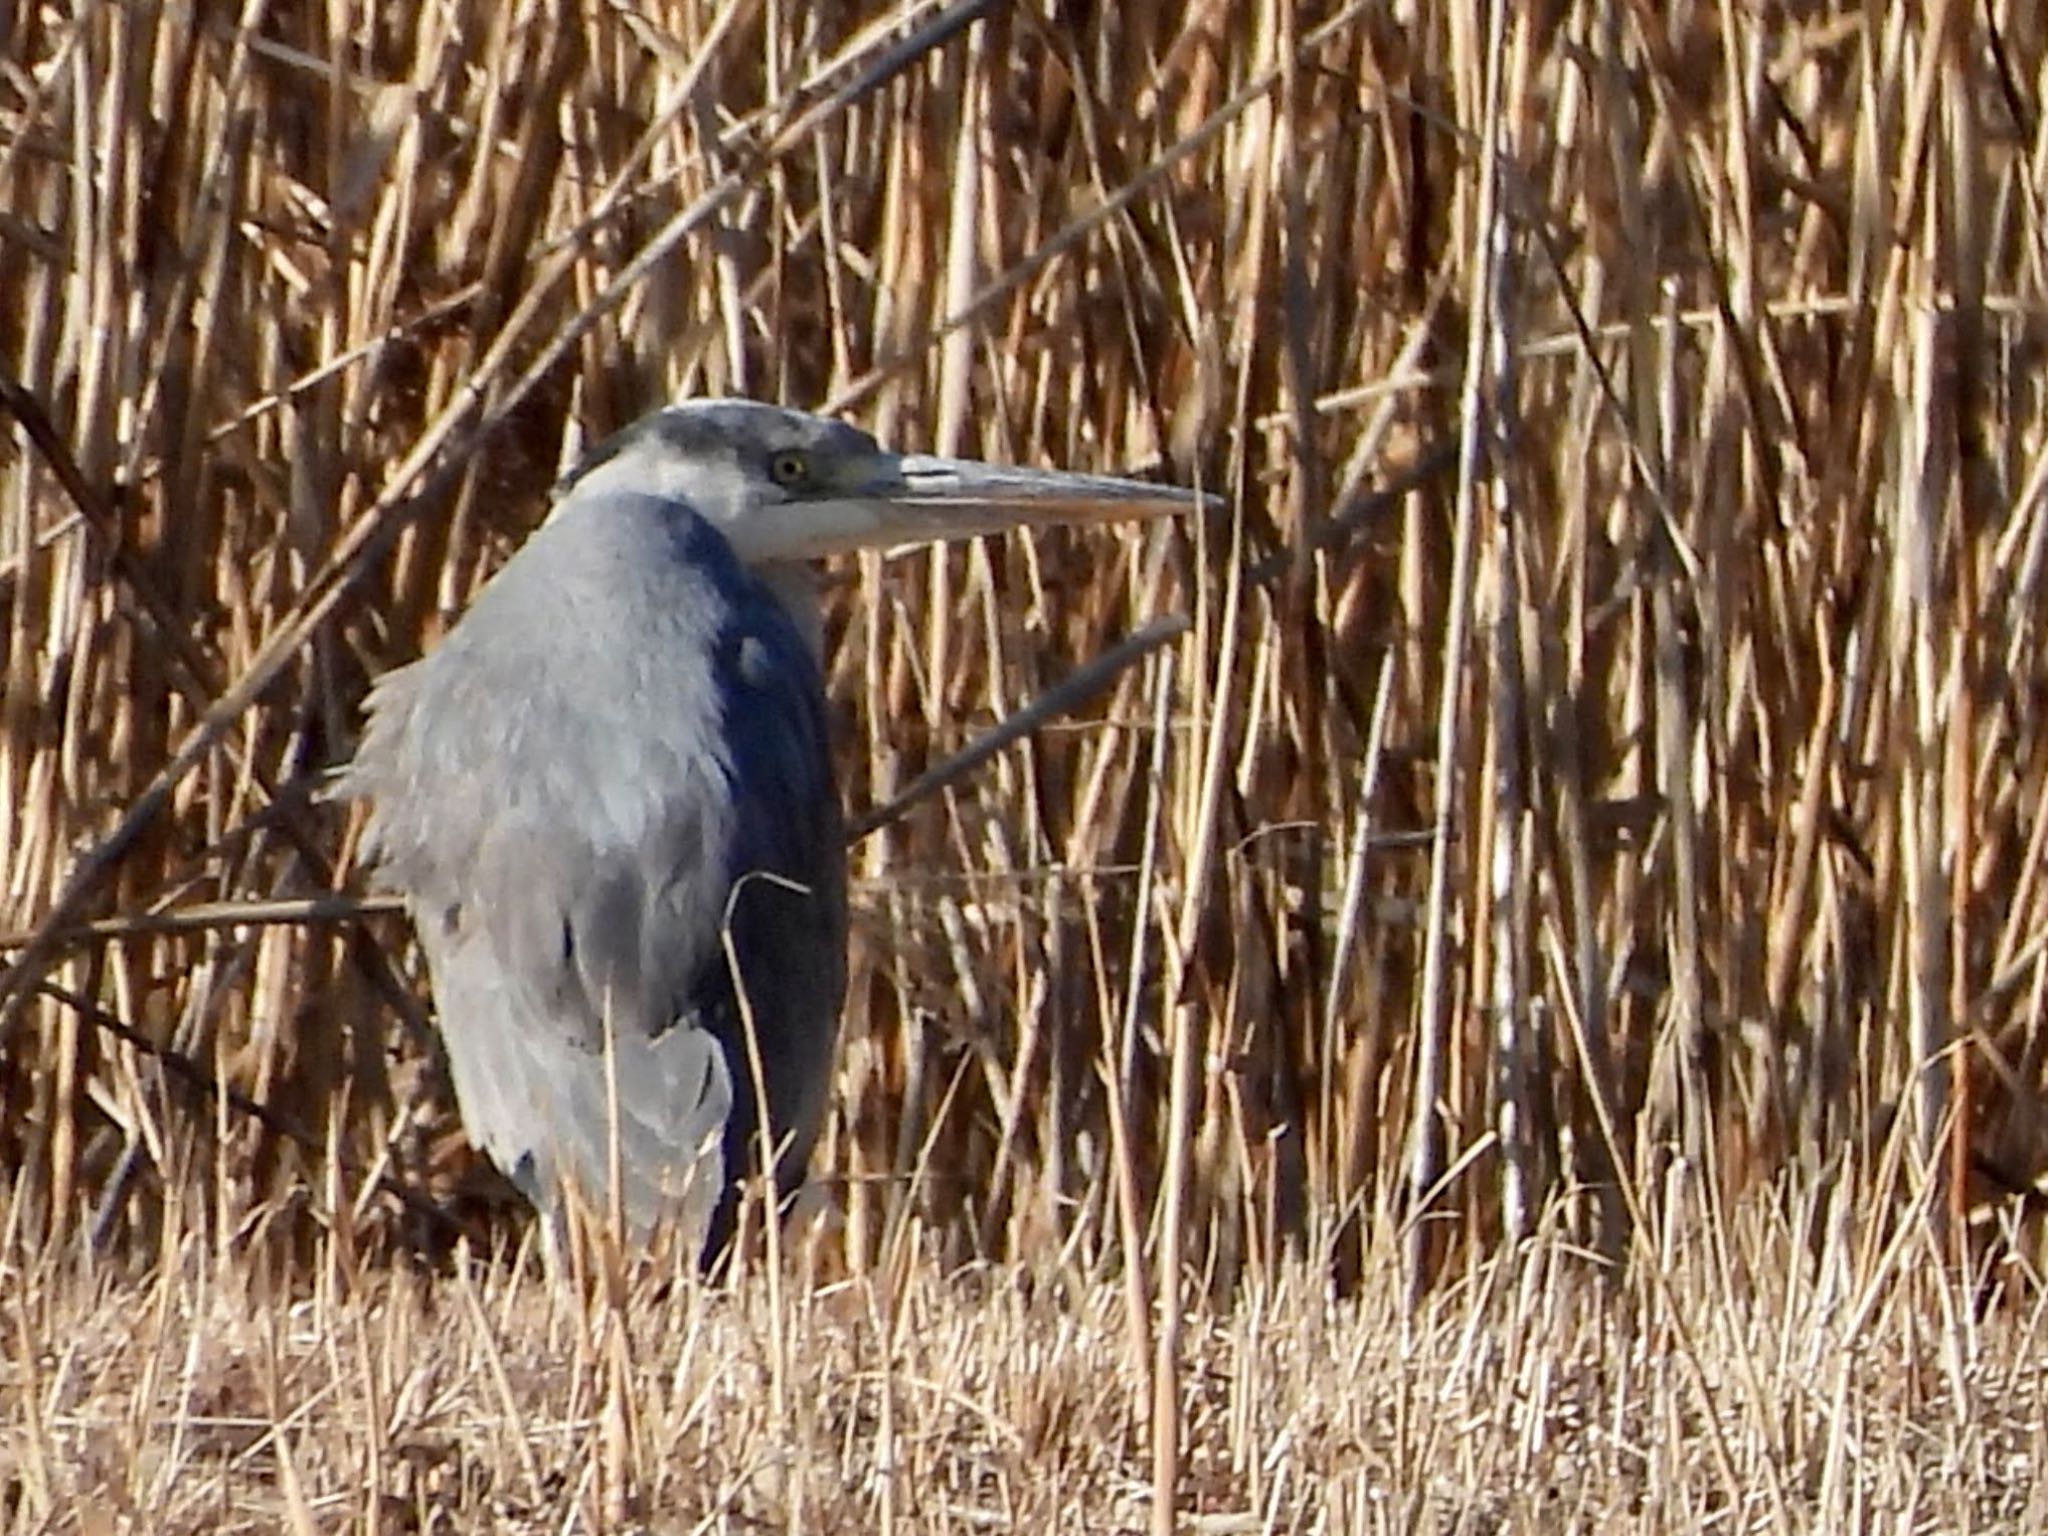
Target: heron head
[(783, 485)]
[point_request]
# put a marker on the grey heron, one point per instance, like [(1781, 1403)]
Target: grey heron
[(607, 798)]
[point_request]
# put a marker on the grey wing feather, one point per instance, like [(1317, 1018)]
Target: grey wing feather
[(624, 727)]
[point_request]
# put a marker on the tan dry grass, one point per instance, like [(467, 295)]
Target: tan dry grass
[(1709, 678), (1527, 1395)]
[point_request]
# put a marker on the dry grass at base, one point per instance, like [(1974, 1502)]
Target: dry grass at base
[(1798, 1386)]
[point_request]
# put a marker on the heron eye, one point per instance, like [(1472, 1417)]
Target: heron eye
[(790, 468)]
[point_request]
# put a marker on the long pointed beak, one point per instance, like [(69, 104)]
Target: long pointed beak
[(917, 499), (972, 498)]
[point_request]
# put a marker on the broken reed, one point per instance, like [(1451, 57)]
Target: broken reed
[(1660, 778)]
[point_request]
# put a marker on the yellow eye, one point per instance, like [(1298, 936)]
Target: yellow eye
[(790, 468)]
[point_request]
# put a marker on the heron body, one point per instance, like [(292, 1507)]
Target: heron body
[(608, 799)]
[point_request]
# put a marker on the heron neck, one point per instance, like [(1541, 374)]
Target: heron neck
[(795, 585)]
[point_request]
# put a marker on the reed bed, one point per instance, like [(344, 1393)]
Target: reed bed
[(1526, 1004)]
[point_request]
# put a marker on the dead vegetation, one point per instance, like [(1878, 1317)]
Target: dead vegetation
[(1546, 965), (1525, 1396)]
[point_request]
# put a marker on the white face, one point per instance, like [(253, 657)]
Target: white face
[(735, 462)]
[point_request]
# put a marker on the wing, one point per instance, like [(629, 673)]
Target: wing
[(608, 799)]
